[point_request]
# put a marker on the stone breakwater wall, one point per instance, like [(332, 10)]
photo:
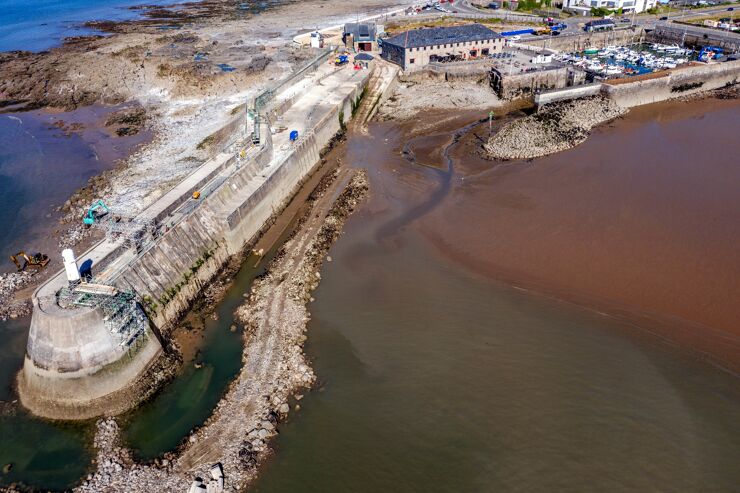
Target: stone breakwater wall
[(557, 127), (241, 194), (171, 274), (275, 370), (670, 84)]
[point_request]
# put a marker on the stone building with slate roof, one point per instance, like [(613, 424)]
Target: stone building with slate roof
[(414, 49)]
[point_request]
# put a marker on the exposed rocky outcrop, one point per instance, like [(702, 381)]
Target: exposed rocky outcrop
[(556, 127)]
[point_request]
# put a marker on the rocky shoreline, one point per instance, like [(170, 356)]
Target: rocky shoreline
[(10, 307), (275, 318), (556, 127)]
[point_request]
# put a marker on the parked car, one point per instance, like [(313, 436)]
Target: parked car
[(515, 38), (664, 18), (731, 9)]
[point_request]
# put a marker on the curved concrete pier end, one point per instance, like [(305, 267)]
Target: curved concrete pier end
[(76, 367)]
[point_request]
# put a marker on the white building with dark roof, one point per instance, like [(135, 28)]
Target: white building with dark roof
[(414, 49)]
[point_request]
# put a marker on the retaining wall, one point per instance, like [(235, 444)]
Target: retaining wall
[(581, 41), (468, 70), (525, 84)]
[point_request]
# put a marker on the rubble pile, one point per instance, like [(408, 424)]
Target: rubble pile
[(9, 284), (556, 127)]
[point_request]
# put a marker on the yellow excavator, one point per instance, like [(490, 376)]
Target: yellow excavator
[(37, 261)]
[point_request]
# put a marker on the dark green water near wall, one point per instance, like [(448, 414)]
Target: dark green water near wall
[(162, 423)]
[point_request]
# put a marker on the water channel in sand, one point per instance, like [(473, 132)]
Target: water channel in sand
[(435, 377)]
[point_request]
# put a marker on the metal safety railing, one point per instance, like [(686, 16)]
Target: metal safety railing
[(257, 107)]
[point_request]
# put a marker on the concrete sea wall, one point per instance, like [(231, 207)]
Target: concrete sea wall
[(74, 369), (171, 274), (672, 83), (90, 391), (575, 92)]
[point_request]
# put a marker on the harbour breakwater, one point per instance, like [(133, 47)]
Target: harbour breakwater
[(566, 116), (275, 368), (91, 352), (678, 82)]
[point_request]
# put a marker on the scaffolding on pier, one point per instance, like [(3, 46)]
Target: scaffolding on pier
[(122, 314)]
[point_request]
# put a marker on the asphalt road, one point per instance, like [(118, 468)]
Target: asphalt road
[(575, 23)]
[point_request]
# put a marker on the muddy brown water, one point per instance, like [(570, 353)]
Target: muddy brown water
[(437, 376), (642, 220)]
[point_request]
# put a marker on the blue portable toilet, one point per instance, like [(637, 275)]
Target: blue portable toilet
[(293, 135)]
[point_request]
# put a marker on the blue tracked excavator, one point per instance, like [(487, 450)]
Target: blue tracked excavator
[(95, 212)]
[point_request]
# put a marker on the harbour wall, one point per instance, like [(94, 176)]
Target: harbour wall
[(567, 93), (693, 35), (670, 84), (92, 390), (581, 41), (171, 274), (241, 193), (651, 88)]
